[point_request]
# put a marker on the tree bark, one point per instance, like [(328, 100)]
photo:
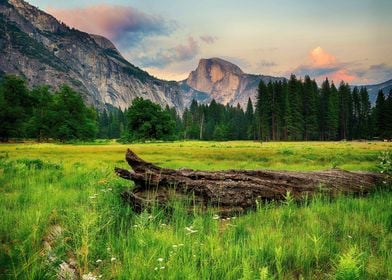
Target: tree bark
[(235, 190)]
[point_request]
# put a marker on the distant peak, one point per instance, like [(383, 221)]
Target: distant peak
[(226, 66)]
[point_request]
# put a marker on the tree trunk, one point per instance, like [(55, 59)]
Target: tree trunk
[(235, 190)]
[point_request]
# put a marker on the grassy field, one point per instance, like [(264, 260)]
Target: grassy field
[(60, 203)]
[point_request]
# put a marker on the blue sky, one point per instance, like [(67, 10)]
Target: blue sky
[(348, 40)]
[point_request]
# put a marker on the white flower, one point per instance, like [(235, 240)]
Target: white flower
[(113, 259), (190, 230), (160, 259)]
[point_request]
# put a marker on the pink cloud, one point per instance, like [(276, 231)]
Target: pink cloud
[(320, 57), (322, 65), (342, 75), (111, 21)]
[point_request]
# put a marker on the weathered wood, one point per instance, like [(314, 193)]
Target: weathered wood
[(236, 190)]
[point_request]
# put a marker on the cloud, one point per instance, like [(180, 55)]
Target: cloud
[(374, 74), (320, 57), (323, 64), (266, 64), (123, 24), (179, 53), (208, 39)]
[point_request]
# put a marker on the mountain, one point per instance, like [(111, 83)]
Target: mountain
[(373, 90), (223, 81), (35, 45)]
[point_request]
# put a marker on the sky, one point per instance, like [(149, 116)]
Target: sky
[(348, 40)]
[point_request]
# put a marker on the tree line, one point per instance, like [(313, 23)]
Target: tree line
[(294, 109), (299, 110), (43, 114)]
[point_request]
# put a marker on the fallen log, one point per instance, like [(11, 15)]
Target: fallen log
[(235, 190)]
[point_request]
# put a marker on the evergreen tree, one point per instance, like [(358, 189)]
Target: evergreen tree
[(345, 111), (250, 121), (310, 109), (380, 114), (365, 124), (294, 97)]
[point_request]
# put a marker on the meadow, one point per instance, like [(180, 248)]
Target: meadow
[(60, 206)]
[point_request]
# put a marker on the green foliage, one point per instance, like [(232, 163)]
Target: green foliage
[(147, 121), (14, 107), (42, 114), (298, 110), (350, 265), (385, 163)]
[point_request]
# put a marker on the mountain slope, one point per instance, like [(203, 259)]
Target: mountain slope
[(37, 46), (225, 82), (373, 90)]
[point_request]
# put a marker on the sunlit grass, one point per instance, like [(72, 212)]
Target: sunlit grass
[(74, 186)]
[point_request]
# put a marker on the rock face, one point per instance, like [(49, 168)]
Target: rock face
[(373, 90), (225, 82), (35, 45)]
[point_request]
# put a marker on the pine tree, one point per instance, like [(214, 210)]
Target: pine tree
[(365, 125), (345, 111), (380, 115), (250, 121), (295, 99), (310, 109)]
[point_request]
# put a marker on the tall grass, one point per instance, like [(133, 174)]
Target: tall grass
[(45, 187)]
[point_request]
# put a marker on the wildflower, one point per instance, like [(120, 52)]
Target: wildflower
[(113, 259), (160, 259), (98, 261), (89, 276), (190, 230)]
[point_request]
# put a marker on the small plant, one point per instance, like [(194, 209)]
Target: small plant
[(350, 265), (286, 152), (288, 198), (385, 163), (264, 274)]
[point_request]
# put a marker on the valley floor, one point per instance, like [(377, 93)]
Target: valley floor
[(60, 207)]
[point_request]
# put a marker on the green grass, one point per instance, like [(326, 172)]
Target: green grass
[(43, 186)]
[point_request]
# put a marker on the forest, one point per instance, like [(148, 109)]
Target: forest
[(289, 110)]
